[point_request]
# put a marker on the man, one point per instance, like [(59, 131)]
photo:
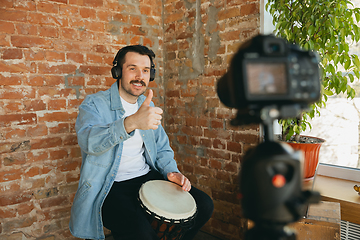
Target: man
[(124, 145)]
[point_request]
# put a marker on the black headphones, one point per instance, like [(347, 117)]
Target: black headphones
[(116, 70)]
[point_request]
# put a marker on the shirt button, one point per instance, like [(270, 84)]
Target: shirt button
[(121, 137)]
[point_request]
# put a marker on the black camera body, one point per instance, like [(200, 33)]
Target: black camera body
[(269, 71)]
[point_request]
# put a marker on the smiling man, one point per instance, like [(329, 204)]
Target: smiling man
[(123, 145)]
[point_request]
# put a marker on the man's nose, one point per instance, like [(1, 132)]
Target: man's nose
[(139, 74)]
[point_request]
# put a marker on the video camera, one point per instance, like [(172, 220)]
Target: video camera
[(269, 78), (268, 71)]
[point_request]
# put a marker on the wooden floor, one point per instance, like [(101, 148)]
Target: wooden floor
[(199, 236)]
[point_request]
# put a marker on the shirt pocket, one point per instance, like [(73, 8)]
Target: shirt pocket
[(103, 160), (81, 192)]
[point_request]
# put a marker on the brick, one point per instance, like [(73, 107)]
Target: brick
[(15, 198), (47, 19), (57, 213), (57, 104), (249, 9), (246, 138), (26, 29), (134, 30), (46, 68), (49, 31), (228, 13), (13, 133), (35, 171), (219, 144), (37, 130), (47, 7), (46, 193), (15, 67), (66, 166), (7, 4), (75, 57), (7, 27), (58, 154), (233, 146), (93, 3), (58, 117), (70, 140), (56, 92), (92, 58), (69, 33), (37, 155), (14, 159), (13, 106), (54, 80), (95, 26), (17, 119), (46, 143), (7, 213), (32, 55), (20, 223), (75, 152), (60, 128), (26, 5), (173, 17), (28, 42), (4, 40), (25, 208), (88, 13), (35, 81), (218, 154), (34, 105), (69, 10), (54, 202), (59, 1), (95, 70), (13, 16), (10, 80)]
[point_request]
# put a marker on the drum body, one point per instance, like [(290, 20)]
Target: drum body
[(170, 209)]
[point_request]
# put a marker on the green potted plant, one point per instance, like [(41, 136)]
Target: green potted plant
[(329, 28)]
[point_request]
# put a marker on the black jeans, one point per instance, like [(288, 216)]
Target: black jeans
[(122, 214)]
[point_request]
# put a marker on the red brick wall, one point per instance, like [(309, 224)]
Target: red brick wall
[(199, 39), (55, 52)]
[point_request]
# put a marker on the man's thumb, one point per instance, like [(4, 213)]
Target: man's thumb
[(148, 98)]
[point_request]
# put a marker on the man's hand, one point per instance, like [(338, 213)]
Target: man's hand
[(145, 118), (180, 179)]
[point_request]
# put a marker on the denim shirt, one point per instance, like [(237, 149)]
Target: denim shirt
[(101, 133)]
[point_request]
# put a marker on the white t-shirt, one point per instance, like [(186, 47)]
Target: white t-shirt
[(132, 162)]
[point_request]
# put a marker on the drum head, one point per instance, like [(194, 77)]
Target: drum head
[(167, 199)]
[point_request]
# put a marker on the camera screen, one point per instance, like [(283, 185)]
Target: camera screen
[(266, 78)]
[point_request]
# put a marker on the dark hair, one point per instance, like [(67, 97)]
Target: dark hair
[(119, 59)]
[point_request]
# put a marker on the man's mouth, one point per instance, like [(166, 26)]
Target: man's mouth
[(138, 83)]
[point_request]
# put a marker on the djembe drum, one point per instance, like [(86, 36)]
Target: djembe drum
[(170, 209)]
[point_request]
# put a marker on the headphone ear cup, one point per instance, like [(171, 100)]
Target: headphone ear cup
[(152, 74), (116, 72)]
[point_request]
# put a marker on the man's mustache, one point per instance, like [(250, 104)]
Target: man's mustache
[(138, 81)]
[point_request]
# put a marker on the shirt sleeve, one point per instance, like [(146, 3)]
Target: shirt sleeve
[(96, 132)]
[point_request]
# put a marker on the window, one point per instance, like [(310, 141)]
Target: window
[(338, 124)]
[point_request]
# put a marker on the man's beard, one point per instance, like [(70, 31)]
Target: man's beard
[(129, 89)]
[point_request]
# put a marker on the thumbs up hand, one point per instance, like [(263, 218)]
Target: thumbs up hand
[(145, 118)]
